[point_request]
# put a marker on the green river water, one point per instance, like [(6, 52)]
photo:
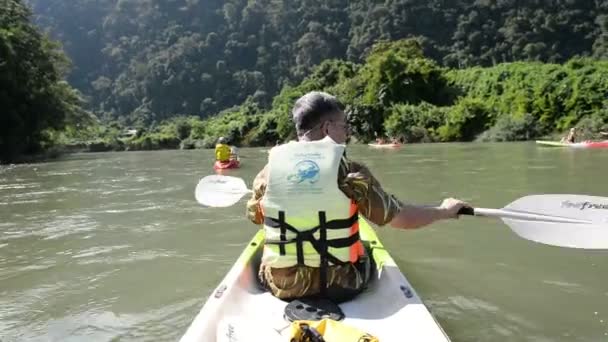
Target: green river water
[(113, 247)]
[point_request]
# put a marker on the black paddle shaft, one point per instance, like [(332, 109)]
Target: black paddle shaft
[(467, 211)]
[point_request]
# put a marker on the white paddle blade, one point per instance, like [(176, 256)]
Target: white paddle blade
[(591, 212), (572, 235), (220, 191), (577, 207)]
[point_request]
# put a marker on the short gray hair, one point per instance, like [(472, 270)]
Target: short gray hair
[(312, 109)]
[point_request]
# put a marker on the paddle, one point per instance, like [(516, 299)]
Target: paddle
[(220, 191), (575, 221)]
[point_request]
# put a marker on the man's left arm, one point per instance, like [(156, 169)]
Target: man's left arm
[(254, 210)]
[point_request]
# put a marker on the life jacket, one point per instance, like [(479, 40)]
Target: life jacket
[(222, 152), (308, 220)]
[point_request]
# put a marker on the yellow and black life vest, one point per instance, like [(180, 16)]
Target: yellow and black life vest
[(308, 220)]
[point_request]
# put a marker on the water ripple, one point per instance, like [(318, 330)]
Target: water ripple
[(55, 228), (15, 186), (95, 251)]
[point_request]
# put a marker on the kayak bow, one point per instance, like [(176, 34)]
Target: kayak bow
[(239, 309), (231, 164)]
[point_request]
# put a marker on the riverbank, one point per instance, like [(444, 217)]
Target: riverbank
[(398, 92), (57, 152)]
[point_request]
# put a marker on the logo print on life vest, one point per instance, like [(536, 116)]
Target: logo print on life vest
[(306, 171)]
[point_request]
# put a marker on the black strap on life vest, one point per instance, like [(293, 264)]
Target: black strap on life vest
[(323, 245), (308, 236), (283, 231), (320, 245)]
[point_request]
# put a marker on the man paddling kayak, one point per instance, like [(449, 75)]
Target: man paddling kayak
[(309, 196)]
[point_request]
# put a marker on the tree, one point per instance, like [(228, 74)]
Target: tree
[(33, 95)]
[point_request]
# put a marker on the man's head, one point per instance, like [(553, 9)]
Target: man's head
[(221, 140), (317, 115)]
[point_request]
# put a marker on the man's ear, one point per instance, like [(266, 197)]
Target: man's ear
[(326, 128)]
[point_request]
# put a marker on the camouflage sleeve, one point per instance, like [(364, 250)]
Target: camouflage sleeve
[(372, 201), (254, 211)]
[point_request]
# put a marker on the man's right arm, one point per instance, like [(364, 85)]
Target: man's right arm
[(382, 208), (416, 216)]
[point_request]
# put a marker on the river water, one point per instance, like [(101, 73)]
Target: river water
[(113, 247)]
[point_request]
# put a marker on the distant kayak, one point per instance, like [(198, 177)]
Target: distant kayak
[(583, 144), (384, 145), (231, 164)]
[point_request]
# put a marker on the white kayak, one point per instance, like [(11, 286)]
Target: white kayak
[(582, 144), (389, 146), (239, 309)]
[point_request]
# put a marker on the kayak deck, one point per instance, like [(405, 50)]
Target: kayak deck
[(240, 308), (552, 143)]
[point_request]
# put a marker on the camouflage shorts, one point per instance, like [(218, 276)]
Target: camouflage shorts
[(343, 281)]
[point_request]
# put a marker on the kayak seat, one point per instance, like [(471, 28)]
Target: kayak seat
[(318, 308), (312, 309)]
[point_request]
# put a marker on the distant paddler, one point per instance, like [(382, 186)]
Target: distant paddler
[(571, 137), (226, 156), (222, 151)]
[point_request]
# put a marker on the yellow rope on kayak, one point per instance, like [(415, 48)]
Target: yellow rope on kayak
[(327, 330)]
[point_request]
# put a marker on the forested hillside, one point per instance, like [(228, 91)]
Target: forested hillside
[(398, 92), (141, 61)]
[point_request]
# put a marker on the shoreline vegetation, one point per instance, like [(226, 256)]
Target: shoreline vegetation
[(398, 92), (422, 89)]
